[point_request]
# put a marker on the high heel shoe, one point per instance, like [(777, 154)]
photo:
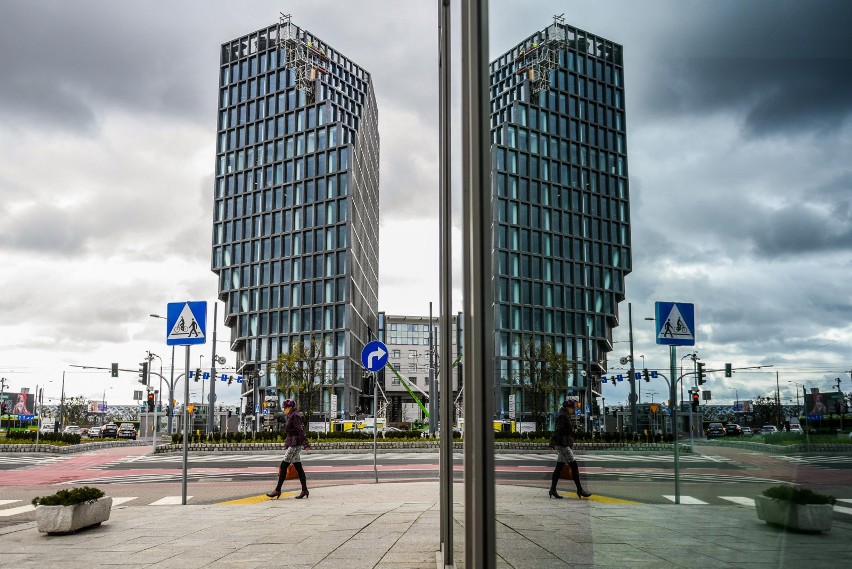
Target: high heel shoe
[(553, 494), (583, 494), (274, 494), (304, 494)]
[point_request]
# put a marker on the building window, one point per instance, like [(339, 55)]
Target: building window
[(395, 380), (412, 380), (412, 353), (412, 368), (395, 354)]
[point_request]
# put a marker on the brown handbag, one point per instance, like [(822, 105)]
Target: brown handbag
[(292, 474), (566, 473)]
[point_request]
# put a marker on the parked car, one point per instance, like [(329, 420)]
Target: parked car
[(127, 431), (733, 430), (747, 432), (47, 427), (110, 430), (71, 430), (767, 429), (94, 432), (715, 430), (796, 428)]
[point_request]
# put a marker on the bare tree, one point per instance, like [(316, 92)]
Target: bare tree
[(541, 375), (298, 374)]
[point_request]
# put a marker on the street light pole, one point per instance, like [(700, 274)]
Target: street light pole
[(171, 408)]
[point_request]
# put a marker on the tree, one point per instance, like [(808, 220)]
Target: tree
[(298, 373), (541, 374), (76, 411), (765, 411)]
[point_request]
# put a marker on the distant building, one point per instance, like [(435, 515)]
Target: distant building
[(407, 339), (296, 205), (561, 204)]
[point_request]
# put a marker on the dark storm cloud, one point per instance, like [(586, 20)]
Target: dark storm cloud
[(776, 96), (61, 62)]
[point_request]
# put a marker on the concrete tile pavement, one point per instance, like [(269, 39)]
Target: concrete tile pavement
[(396, 525)]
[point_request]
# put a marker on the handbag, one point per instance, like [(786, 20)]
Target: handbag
[(292, 474), (566, 473)]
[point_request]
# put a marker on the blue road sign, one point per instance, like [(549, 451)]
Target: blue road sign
[(374, 356), (675, 323), (186, 323)]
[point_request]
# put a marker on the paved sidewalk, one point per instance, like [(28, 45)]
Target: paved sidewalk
[(396, 525)]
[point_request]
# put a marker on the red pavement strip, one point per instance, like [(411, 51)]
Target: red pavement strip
[(71, 468)]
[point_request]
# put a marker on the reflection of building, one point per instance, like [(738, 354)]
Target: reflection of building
[(407, 339), (561, 201), (295, 233)]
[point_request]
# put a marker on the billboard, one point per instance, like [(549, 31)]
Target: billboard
[(818, 404), (98, 407), (17, 403)]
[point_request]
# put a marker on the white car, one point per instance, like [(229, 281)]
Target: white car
[(94, 432), (796, 428), (71, 430), (766, 429)]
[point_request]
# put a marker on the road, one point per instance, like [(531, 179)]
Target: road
[(712, 475)]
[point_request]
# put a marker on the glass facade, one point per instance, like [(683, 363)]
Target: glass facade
[(561, 202), (295, 229)]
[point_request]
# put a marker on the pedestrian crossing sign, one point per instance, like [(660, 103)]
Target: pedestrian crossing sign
[(186, 323), (675, 323)]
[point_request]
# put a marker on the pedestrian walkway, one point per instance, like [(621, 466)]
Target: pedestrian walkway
[(396, 525)]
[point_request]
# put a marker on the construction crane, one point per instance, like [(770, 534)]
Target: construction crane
[(307, 58), (540, 56)]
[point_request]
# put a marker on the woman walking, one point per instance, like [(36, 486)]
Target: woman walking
[(562, 441), (294, 443)]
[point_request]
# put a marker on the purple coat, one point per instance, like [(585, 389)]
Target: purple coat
[(294, 430)]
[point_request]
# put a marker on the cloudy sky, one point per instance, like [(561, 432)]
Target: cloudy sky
[(739, 141)]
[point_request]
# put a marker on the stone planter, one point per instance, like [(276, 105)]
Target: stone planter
[(65, 519), (801, 517)]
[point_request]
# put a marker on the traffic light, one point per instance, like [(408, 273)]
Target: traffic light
[(150, 401), (143, 373), (728, 371), (646, 375), (197, 374), (695, 402), (701, 374), (190, 408), (114, 372), (230, 379)]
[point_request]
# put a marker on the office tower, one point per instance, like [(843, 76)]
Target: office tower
[(296, 216), (561, 206)]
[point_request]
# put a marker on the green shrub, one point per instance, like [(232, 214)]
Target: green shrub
[(797, 495), (70, 497)]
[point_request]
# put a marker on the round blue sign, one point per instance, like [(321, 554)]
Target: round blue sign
[(374, 356)]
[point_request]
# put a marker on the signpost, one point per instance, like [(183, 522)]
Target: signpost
[(186, 325), (675, 327), (374, 357)]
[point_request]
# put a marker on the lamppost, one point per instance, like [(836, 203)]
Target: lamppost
[(737, 404), (639, 382), (171, 384), (103, 406), (797, 384)]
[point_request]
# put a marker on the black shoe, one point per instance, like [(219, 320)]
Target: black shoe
[(553, 494), (274, 494), (583, 494), (304, 494)]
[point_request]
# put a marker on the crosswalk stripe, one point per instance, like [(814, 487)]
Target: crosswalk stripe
[(16, 511), (4, 502), (742, 501), (845, 500), (170, 501), (843, 510), (686, 500), (119, 500)]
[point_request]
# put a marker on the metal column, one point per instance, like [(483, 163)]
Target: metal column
[(479, 524), (445, 212)]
